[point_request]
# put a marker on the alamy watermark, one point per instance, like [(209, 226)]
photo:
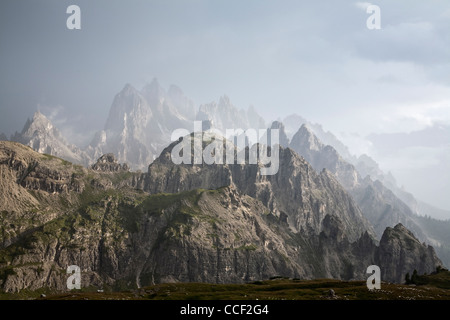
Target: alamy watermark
[(220, 149), (74, 20), (374, 21), (74, 281), (374, 281)]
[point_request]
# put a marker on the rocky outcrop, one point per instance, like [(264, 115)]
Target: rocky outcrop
[(21, 167), (400, 252), (108, 163)]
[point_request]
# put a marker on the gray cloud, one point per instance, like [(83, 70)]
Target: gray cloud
[(314, 58)]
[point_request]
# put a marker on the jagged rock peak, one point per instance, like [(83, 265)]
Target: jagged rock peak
[(277, 125), (283, 139), (305, 138), (306, 130), (109, 163), (42, 136), (224, 101), (38, 115), (128, 89), (39, 121), (401, 228), (175, 91), (153, 90)]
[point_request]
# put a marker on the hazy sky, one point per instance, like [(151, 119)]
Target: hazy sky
[(314, 58)]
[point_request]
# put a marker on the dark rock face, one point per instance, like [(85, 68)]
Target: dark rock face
[(230, 239), (211, 223), (401, 252), (378, 203)]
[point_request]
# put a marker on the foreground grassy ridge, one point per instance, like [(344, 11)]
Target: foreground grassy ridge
[(435, 286), (275, 289)]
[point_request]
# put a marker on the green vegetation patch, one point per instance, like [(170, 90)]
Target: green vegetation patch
[(49, 157), (250, 247), (156, 203)]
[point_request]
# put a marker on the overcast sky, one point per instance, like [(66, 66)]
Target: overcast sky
[(315, 58)]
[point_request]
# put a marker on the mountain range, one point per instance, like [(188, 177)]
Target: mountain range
[(128, 216), (189, 223)]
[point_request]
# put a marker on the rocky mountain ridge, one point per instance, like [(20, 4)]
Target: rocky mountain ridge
[(380, 204), (125, 236), (40, 134), (140, 124)]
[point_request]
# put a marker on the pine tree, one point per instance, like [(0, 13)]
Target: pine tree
[(407, 279), (414, 277)]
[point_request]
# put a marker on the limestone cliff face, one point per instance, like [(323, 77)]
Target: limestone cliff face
[(216, 224), (296, 193)]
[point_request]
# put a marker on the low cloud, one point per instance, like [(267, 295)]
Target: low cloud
[(68, 125)]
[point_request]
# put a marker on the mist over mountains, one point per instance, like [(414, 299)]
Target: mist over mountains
[(140, 123), (334, 207), (422, 156)]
